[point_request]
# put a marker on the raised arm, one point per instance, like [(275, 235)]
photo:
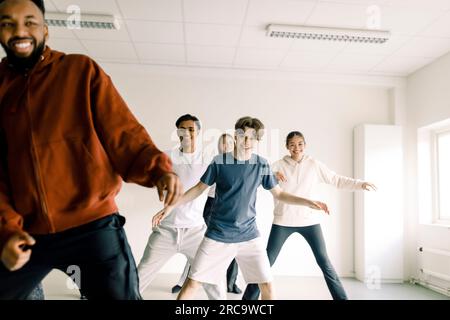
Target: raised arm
[(289, 198), (188, 196), (131, 150)]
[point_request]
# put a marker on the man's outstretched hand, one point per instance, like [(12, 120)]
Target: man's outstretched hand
[(15, 253), (172, 185)]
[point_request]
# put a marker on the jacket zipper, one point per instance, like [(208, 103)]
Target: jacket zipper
[(43, 204), (44, 209)]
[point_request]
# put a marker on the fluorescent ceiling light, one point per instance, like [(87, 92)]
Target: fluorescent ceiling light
[(327, 33), (92, 21)]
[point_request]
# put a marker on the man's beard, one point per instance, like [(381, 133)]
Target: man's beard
[(25, 63)]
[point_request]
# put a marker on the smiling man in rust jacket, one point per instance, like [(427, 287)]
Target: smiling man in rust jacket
[(67, 140)]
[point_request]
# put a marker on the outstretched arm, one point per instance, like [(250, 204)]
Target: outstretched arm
[(289, 198), (328, 176), (130, 149), (188, 196)]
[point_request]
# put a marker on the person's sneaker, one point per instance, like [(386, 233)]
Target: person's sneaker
[(235, 289), (176, 289)]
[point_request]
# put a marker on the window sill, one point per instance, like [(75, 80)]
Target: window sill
[(445, 225)]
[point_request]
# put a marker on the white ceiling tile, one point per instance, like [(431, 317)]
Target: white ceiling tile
[(160, 32), (210, 55), (257, 57), (89, 6), (212, 35), (208, 32), (166, 10), (215, 11), (49, 6), (386, 48), (401, 65), (424, 47), (440, 5), (160, 52), (256, 37), (365, 2), (407, 20), (67, 46), (339, 15), (111, 50), (305, 45), (163, 63), (354, 62), (60, 32), (303, 60), (264, 12), (439, 28)]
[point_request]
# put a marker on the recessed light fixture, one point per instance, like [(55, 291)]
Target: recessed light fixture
[(327, 33), (90, 21)]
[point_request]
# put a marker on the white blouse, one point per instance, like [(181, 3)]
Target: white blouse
[(301, 178)]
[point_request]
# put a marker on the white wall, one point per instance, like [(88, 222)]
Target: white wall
[(428, 102), (326, 113)]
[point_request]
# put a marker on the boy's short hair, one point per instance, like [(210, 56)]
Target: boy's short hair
[(38, 3), (188, 117), (253, 123)]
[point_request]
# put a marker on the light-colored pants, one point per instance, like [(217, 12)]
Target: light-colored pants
[(163, 244), (185, 274), (213, 258)]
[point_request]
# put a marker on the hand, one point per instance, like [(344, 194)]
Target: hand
[(158, 217), (369, 186), (170, 183), (317, 205), (280, 176), (15, 254)]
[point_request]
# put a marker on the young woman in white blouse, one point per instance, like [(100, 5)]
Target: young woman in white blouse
[(298, 173)]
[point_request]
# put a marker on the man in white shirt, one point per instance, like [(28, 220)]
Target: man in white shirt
[(182, 232)]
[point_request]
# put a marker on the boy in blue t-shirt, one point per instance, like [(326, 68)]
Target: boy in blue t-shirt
[(232, 231)]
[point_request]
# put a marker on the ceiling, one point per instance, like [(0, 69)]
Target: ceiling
[(231, 34)]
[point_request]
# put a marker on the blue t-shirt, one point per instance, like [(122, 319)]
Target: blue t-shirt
[(233, 213)]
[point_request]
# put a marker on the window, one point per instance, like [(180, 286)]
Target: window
[(443, 175), (433, 174)]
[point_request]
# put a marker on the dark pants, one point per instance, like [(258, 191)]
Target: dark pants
[(313, 235), (232, 271), (99, 250)]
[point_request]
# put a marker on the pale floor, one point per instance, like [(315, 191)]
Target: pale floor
[(287, 288)]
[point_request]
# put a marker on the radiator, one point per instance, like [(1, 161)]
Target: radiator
[(435, 269)]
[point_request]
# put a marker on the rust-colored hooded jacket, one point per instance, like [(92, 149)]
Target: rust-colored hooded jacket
[(67, 139)]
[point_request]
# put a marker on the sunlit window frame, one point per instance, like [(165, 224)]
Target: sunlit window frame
[(438, 218)]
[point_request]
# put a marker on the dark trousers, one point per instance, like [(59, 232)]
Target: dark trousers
[(98, 250), (232, 271), (313, 235)]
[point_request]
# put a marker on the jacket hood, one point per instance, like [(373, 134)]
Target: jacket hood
[(292, 162)]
